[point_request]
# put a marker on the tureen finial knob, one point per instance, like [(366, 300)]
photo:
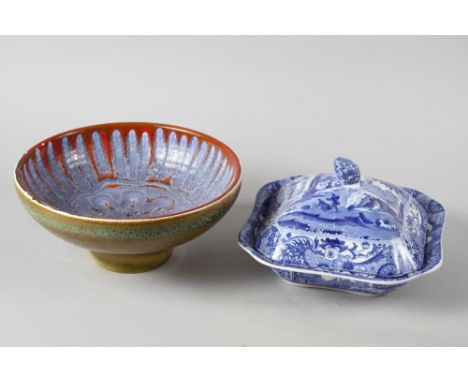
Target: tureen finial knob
[(347, 171)]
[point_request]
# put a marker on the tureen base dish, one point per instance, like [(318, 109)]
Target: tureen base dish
[(341, 233), (331, 282)]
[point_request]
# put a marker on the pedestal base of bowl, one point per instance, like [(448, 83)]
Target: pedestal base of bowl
[(131, 263)]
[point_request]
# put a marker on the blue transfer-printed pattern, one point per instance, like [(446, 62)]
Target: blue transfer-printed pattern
[(267, 203), (347, 171), (371, 228)]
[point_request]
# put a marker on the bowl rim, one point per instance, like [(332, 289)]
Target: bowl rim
[(233, 186)]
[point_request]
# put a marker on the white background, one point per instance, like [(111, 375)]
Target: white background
[(286, 105)]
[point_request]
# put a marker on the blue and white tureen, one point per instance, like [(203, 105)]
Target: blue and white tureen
[(341, 231)]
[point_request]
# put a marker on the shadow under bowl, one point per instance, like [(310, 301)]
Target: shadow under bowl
[(128, 192)]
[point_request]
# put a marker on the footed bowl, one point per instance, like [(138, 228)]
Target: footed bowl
[(128, 192)]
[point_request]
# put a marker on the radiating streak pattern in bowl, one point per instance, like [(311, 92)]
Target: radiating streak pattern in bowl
[(126, 175)]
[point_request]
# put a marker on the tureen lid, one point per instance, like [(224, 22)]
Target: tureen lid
[(344, 223)]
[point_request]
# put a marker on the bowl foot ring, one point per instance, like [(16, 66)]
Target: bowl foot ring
[(131, 263)]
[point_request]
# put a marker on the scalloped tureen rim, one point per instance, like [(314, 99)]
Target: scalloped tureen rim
[(395, 281)]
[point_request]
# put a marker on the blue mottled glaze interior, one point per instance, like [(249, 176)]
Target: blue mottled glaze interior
[(126, 175)]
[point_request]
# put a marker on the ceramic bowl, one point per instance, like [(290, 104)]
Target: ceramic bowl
[(341, 231), (128, 192)]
